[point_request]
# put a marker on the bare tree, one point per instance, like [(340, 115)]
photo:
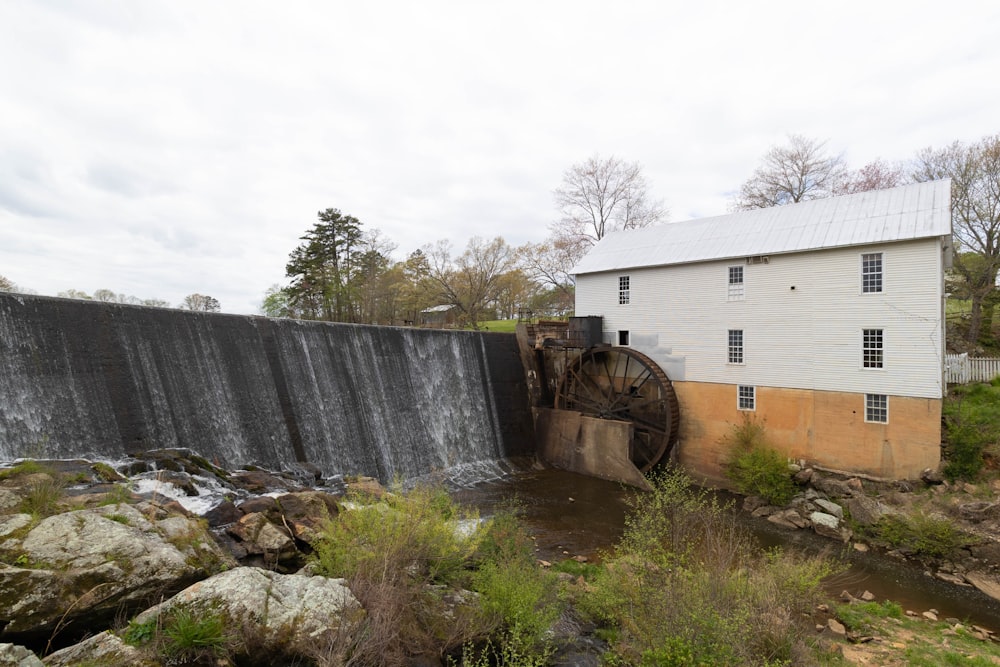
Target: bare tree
[(471, 281), (974, 170), (201, 302), (799, 171), (876, 175), (598, 196), (549, 263), (7, 285)]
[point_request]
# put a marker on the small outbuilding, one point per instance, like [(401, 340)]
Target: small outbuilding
[(823, 320)]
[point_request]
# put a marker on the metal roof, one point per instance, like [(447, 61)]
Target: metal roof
[(914, 211)]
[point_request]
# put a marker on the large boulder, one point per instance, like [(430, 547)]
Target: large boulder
[(97, 563), (290, 614), (106, 649)]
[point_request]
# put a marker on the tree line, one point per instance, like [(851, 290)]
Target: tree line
[(344, 272), (199, 302)]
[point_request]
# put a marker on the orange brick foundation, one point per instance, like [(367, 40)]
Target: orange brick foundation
[(824, 428)]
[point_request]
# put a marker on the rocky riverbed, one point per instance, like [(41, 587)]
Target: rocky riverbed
[(88, 550)]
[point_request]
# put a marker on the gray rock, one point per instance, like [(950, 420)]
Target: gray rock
[(789, 519), (12, 523), (830, 507), (834, 488), (8, 500), (300, 610), (98, 562), (104, 648), (864, 511), (932, 477), (824, 519), (828, 525), (979, 511), (12, 655)]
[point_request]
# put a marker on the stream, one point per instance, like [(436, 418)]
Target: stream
[(574, 515)]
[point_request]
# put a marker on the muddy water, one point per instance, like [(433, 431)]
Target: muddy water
[(570, 515)]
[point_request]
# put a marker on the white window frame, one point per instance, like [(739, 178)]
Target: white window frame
[(735, 350), (880, 280), (624, 290), (746, 397), (736, 291), (873, 345), (877, 405)]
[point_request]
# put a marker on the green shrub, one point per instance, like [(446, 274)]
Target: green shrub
[(972, 429), (922, 534), (395, 554), (416, 535), (754, 467), (687, 586)]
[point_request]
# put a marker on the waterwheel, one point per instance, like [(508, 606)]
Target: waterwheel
[(623, 384)]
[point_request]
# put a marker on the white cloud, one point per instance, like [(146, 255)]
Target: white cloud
[(164, 148)]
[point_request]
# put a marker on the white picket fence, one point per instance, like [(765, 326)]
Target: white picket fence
[(962, 369)]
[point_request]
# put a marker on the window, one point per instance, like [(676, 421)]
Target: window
[(871, 272), (736, 346), (623, 290), (746, 397), (871, 348), (623, 337), (736, 292), (877, 408)]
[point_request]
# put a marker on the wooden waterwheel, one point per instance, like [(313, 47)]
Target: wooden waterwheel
[(623, 384)]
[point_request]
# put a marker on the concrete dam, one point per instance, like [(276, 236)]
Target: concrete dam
[(101, 380)]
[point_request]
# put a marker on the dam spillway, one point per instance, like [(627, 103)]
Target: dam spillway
[(87, 379)]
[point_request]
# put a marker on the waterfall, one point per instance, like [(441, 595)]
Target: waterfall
[(79, 378)]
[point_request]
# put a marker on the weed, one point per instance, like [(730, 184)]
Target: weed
[(922, 534), (687, 586), (861, 616), (755, 467), (117, 495), (42, 498), (26, 467), (190, 635), (137, 634)]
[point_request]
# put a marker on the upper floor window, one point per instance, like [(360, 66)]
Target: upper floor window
[(877, 408), (872, 348), (736, 292), (623, 290), (736, 346), (871, 272), (746, 397)]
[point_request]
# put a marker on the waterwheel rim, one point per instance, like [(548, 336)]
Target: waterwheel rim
[(623, 384)]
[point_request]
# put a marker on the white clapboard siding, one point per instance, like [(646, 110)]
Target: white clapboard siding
[(962, 369), (808, 337)]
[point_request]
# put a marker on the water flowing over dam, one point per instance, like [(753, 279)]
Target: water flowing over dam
[(80, 378)]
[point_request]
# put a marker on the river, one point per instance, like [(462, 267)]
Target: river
[(573, 515)]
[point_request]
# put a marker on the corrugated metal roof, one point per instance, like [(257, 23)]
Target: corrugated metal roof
[(914, 211)]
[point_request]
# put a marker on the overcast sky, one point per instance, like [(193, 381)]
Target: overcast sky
[(162, 148)]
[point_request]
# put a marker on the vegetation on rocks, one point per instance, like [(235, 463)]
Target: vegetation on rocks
[(754, 467)]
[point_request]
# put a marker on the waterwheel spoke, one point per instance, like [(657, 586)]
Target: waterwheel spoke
[(624, 384)]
